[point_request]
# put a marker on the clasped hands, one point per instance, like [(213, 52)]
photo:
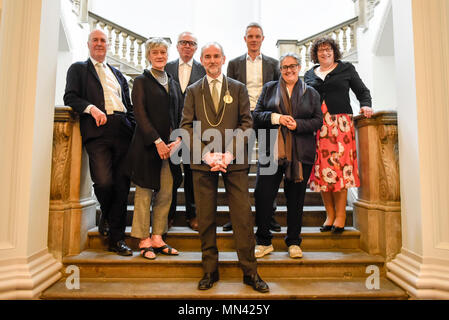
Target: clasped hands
[(166, 150), (218, 161), (287, 121)]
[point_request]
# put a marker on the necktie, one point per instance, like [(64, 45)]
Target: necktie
[(107, 95), (215, 96)]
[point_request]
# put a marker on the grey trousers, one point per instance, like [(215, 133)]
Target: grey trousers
[(160, 202)]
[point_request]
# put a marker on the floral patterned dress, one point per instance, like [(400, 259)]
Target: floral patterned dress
[(335, 167)]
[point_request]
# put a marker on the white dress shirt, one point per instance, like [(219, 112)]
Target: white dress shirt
[(111, 89), (254, 79), (184, 71)]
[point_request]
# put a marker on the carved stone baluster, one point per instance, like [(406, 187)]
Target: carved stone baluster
[(124, 45), (93, 24), (337, 38), (302, 61), (131, 50), (345, 40), (102, 25), (307, 45), (352, 36), (117, 43), (140, 62), (110, 39)]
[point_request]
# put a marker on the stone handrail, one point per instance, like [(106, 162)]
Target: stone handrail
[(377, 208), (126, 47), (343, 33), (72, 206)]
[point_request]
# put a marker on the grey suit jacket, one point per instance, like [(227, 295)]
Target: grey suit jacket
[(236, 116), (270, 69), (172, 68)]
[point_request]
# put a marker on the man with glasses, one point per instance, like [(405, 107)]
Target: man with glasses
[(254, 70), (185, 71)]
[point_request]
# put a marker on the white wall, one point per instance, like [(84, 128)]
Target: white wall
[(225, 21), (407, 127), (376, 57)]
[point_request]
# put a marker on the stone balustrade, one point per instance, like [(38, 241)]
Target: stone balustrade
[(125, 46), (344, 33), (377, 208), (72, 205)]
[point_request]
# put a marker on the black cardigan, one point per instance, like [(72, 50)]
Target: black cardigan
[(335, 87), (156, 113)]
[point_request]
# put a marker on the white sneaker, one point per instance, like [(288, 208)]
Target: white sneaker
[(261, 251), (294, 251)]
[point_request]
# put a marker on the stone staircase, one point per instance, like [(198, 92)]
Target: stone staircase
[(333, 266)]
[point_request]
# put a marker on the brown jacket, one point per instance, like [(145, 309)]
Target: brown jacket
[(236, 116)]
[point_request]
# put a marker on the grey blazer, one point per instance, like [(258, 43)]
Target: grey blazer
[(172, 68), (270, 69)]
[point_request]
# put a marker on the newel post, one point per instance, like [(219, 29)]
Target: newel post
[(377, 209)]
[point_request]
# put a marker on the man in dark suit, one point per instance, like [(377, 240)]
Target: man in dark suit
[(254, 69), (185, 71), (99, 94), (217, 102)]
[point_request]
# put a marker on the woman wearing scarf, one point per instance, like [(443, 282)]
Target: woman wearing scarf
[(293, 109)]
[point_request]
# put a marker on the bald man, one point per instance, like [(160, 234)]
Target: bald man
[(100, 95)]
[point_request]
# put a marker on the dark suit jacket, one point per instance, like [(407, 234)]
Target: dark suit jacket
[(83, 87), (306, 109), (236, 116), (172, 68), (270, 69)]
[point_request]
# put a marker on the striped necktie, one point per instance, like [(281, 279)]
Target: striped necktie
[(108, 104)]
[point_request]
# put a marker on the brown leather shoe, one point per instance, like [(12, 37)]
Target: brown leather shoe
[(193, 223)]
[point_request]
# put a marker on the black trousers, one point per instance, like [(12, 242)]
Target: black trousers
[(267, 187), (236, 185), (188, 194), (108, 172)]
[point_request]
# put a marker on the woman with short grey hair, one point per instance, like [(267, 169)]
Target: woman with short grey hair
[(157, 104)]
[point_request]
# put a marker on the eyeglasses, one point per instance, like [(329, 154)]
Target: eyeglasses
[(291, 67), (185, 43), (329, 49)]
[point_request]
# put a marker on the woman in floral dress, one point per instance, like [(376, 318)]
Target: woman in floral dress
[(335, 168)]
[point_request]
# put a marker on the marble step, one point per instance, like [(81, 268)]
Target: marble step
[(185, 239), (311, 198), (313, 216), (340, 264), (225, 289)]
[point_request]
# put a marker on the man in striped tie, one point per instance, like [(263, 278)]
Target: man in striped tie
[(99, 93)]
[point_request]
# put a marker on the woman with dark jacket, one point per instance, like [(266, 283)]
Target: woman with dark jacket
[(335, 169), (291, 108), (157, 108)]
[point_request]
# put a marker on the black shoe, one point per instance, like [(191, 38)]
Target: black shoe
[(103, 225), (256, 282), (274, 226), (121, 248), (208, 280), (324, 228), (227, 226), (337, 230)]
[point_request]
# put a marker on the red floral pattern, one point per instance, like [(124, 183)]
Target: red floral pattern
[(335, 167)]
